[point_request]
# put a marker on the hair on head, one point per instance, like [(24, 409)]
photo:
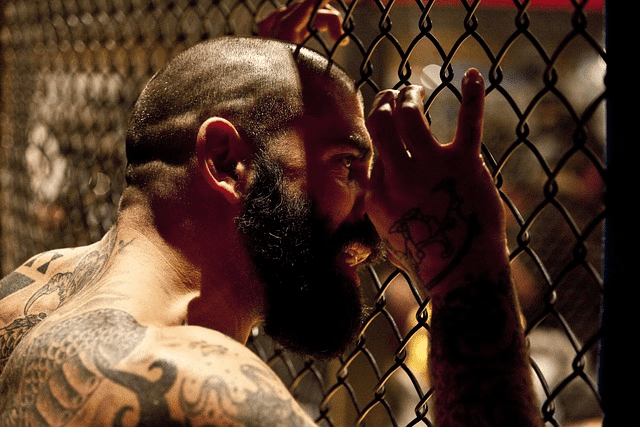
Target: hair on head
[(256, 84)]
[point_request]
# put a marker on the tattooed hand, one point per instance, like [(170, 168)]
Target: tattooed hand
[(441, 216), (435, 205)]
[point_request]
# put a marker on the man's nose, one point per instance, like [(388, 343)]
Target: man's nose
[(364, 184)]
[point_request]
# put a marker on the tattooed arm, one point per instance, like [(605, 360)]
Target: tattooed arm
[(102, 367), (439, 212), (218, 381)]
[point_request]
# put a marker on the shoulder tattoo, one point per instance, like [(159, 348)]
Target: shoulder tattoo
[(62, 367), (55, 374), (64, 284)]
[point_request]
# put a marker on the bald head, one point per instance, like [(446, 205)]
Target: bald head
[(259, 85)]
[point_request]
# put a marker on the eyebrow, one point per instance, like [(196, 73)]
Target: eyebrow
[(360, 144), (364, 147)]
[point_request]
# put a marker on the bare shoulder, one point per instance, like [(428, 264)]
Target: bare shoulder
[(102, 367), (39, 269), (218, 381), (79, 264), (42, 284), (32, 291)]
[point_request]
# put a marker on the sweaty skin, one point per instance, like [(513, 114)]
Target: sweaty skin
[(87, 360), (448, 234), (147, 326)]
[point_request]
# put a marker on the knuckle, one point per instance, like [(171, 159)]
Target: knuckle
[(410, 110), (382, 112)]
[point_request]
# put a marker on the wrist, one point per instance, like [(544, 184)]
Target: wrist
[(488, 258)]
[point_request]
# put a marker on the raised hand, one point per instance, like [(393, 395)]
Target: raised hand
[(435, 204), (291, 23), (441, 216)]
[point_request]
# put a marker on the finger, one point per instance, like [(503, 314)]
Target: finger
[(265, 26), (329, 19), (471, 115), (381, 126), (300, 13), (412, 123)]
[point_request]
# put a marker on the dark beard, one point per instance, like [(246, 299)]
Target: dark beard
[(312, 306)]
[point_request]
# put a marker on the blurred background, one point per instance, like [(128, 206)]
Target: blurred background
[(72, 69)]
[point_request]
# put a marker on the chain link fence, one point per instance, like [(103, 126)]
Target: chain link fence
[(72, 69)]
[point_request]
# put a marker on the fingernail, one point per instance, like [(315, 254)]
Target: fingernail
[(472, 76)]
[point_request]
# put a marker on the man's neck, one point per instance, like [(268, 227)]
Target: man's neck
[(202, 280)]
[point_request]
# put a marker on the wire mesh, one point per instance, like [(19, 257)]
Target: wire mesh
[(71, 70)]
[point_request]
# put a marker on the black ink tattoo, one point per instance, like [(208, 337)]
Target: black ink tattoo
[(216, 403), (437, 232), (478, 361), (55, 371), (54, 375), (61, 368), (263, 404), (153, 406), (88, 270), (217, 400), (45, 266), (13, 283), (13, 333)]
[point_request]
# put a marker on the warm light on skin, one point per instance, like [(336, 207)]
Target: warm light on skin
[(339, 158), (329, 158)]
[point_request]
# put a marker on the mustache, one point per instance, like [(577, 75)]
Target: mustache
[(362, 232)]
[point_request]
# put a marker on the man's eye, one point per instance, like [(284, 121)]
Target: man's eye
[(347, 161)]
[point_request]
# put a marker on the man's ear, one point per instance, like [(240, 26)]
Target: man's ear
[(221, 156)]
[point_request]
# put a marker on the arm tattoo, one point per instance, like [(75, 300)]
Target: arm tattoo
[(261, 406), (54, 376), (153, 406), (61, 368), (479, 365), (216, 402), (436, 232)]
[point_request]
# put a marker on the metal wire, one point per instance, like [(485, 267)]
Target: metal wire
[(71, 70)]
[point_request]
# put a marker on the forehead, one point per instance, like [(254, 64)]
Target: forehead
[(333, 118), (334, 109), (334, 124)]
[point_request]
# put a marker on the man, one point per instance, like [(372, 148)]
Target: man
[(253, 195)]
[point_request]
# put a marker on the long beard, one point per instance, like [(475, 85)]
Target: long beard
[(312, 306)]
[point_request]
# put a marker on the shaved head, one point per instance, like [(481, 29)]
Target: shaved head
[(265, 89), (259, 85)]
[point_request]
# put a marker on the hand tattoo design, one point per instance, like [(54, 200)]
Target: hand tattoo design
[(436, 232)]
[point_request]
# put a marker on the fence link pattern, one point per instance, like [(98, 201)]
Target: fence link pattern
[(72, 69)]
